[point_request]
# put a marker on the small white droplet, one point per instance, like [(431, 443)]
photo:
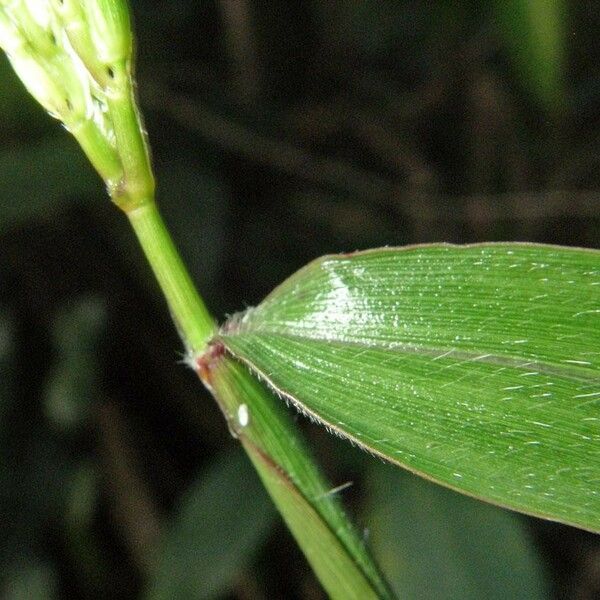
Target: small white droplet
[(243, 415)]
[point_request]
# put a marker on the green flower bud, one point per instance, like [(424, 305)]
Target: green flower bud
[(53, 81), (39, 10), (110, 29), (73, 22), (11, 38), (35, 22), (74, 57), (40, 85)]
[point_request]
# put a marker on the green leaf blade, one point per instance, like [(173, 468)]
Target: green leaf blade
[(476, 366)]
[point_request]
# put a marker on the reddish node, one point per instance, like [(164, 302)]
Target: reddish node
[(207, 361)]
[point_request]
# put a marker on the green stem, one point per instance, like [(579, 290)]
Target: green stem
[(138, 183), (287, 468), (135, 196), (193, 321)]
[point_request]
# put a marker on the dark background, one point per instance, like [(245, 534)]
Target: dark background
[(280, 131)]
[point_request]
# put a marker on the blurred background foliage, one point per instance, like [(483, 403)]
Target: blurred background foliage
[(280, 131)]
